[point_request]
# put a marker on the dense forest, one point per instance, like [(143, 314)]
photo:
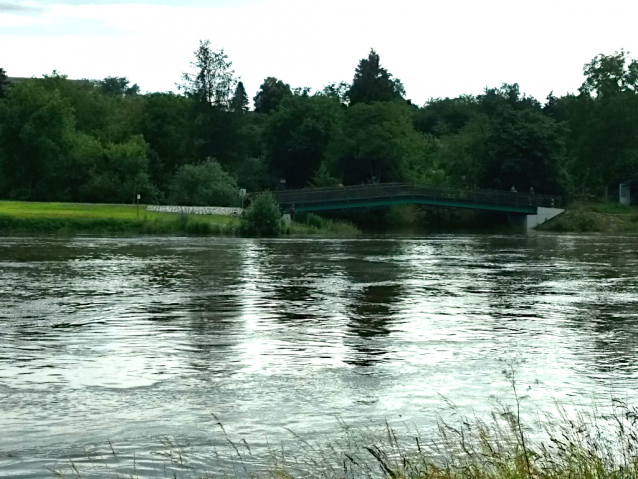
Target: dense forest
[(104, 141)]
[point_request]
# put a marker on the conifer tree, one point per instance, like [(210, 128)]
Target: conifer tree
[(239, 102), (372, 82)]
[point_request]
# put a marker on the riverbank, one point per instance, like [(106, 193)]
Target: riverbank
[(18, 217), (594, 217)]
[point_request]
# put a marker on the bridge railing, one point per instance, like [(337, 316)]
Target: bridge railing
[(308, 196)]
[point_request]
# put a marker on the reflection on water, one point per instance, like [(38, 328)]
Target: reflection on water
[(127, 339)]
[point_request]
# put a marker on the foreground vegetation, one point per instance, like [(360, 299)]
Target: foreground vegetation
[(599, 217), (591, 443)]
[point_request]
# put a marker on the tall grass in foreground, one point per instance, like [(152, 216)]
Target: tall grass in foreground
[(592, 444)]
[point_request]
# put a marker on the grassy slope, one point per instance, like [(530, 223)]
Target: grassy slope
[(595, 217)]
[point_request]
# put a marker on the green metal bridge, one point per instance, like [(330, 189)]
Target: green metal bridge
[(318, 199)]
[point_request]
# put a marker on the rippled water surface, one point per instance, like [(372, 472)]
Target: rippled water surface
[(127, 339)]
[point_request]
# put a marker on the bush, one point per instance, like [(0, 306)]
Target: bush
[(263, 217), (315, 221), (204, 184)]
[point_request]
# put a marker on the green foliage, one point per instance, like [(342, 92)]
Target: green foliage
[(212, 81), (445, 116), (323, 178), (120, 174), (297, 135), (270, 94), (36, 129), (378, 143), (94, 112), (117, 86), (608, 75), (203, 184), (603, 123), (372, 82), (461, 155), (165, 123), (263, 217), (524, 149), (337, 90), (239, 102), (4, 84)]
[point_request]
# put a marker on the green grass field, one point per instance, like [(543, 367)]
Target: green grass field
[(17, 216)]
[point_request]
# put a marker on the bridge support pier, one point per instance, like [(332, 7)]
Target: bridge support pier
[(532, 221)]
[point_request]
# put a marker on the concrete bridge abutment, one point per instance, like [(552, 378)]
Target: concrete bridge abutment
[(528, 221)]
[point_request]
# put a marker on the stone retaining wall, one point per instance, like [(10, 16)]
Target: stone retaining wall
[(197, 210)]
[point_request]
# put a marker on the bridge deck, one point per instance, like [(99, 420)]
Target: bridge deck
[(316, 199)]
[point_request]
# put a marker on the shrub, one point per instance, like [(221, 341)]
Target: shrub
[(204, 184), (315, 221), (263, 217)]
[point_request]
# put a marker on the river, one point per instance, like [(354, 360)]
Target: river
[(130, 339)]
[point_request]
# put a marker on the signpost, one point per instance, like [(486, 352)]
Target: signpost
[(137, 201)]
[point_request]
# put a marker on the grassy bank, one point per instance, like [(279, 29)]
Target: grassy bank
[(23, 217), (70, 218), (595, 217)]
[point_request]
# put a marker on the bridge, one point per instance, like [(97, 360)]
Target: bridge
[(524, 209)]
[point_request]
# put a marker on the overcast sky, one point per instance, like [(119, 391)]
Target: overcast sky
[(437, 48)]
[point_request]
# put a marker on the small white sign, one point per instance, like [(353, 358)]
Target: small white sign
[(139, 196)]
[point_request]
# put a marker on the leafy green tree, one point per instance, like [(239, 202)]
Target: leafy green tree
[(166, 123), (462, 153), (204, 184), (297, 135), (378, 143), (372, 82), (94, 112), (121, 174), (117, 86), (239, 102), (610, 74), (263, 216), (507, 96), (36, 128), (524, 149), (270, 94), (213, 81), (603, 122), (336, 90), (4, 84), (444, 116)]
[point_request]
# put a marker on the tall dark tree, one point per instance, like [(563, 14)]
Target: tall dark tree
[(239, 102), (4, 83), (270, 94), (372, 82), (213, 81)]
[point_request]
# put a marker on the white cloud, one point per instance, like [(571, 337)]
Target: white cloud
[(8, 20), (436, 48)]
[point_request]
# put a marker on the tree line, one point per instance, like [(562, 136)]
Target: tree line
[(104, 141)]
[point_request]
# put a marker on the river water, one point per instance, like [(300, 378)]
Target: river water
[(129, 339)]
